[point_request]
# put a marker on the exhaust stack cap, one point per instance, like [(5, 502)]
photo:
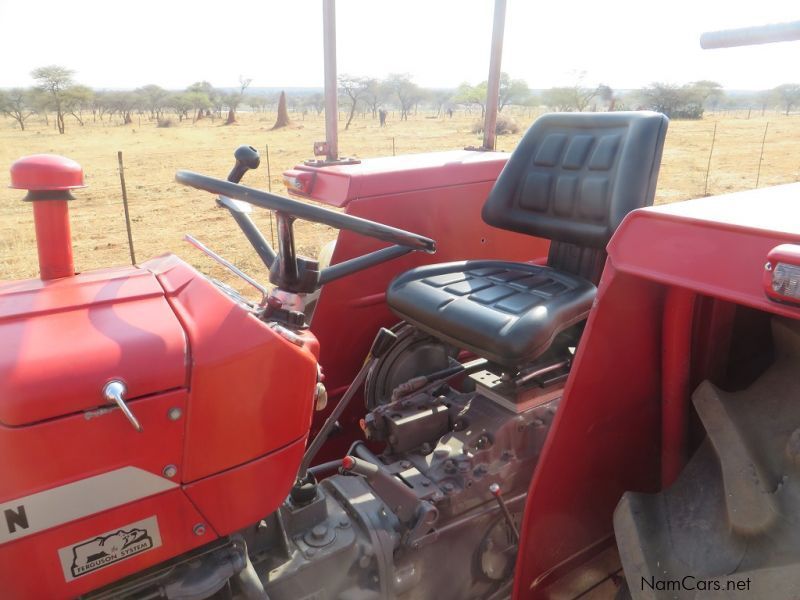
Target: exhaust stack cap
[(49, 179), (44, 174)]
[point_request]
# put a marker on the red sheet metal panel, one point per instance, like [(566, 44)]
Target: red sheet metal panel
[(606, 437), (55, 564), (715, 246), (62, 450), (339, 185), (72, 479), (242, 496), (63, 340), (251, 390)]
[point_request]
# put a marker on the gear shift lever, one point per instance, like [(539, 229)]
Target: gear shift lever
[(246, 158)]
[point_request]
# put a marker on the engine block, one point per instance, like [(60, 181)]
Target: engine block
[(419, 521)]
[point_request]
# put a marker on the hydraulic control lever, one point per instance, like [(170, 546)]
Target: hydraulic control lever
[(382, 342), (418, 516)]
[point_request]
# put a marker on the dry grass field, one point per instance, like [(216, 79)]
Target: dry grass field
[(162, 211)]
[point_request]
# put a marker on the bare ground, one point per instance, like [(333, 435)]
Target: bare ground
[(162, 211)]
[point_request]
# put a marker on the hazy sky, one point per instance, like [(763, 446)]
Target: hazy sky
[(441, 43)]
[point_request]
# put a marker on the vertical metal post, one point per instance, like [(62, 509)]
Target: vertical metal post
[(677, 322), (269, 171), (269, 188), (710, 152), (761, 156), (493, 87), (125, 206), (331, 99)]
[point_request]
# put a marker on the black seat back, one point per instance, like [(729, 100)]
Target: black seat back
[(573, 178)]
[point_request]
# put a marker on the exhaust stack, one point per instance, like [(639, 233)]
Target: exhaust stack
[(49, 179)]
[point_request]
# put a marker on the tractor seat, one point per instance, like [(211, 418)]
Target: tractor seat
[(572, 179), (504, 311)]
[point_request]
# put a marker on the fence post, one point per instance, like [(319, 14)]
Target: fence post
[(269, 188), (761, 157), (710, 152), (125, 206)]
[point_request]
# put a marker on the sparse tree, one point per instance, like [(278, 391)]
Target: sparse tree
[(709, 93), (606, 94), (472, 95), (204, 96), (123, 103), (576, 97), (181, 103), (560, 99), (42, 103), (77, 98), (55, 80), (258, 102), (375, 93), (674, 101), (234, 99), (353, 90), (787, 96), (16, 103), (99, 104), (512, 91), (315, 101), (441, 100), (154, 99), (765, 98), (407, 92)]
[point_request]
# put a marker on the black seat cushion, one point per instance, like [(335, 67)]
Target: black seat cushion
[(504, 311)]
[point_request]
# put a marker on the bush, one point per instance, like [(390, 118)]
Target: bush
[(504, 125), (165, 122)]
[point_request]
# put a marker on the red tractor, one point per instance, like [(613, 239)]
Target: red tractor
[(397, 424)]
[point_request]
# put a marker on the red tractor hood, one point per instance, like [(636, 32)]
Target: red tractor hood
[(61, 341)]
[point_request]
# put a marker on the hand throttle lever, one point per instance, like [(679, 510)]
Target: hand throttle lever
[(247, 158)]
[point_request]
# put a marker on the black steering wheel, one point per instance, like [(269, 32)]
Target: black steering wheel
[(287, 270)]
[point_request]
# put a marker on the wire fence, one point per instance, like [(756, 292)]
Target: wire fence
[(712, 156)]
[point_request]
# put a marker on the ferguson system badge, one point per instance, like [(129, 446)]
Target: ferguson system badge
[(109, 548)]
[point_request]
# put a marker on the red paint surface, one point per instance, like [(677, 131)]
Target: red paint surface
[(30, 568), (50, 454), (676, 361), (42, 172), (717, 246), (605, 438), (245, 395), (53, 238), (62, 341), (242, 496), (50, 173), (392, 175), (252, 391), (63, 450)]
